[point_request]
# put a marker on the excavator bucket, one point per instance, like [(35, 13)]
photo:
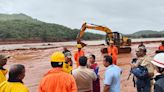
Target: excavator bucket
[(80, 42), (124, 50)]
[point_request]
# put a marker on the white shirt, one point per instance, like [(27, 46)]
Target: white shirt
[(112, 78)]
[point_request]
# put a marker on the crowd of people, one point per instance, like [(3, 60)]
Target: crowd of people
[(62, 77)]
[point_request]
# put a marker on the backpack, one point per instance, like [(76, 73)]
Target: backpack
[(140, 72)]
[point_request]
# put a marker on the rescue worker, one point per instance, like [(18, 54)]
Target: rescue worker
[(3, 71), (145, 61), (67, 66), (159, 65), (78, 54), (15, 83), (161, 47), (113, 51), (56, 80)]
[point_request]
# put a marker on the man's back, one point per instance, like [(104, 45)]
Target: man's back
[(13, 87), (56, 80), (112, 78), (84, 78)]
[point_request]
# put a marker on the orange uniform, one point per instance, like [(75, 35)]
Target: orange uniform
[(161, 47), (56, 80), (77, 55), (113, 51)]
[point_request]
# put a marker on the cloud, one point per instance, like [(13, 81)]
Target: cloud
[(125, 16)]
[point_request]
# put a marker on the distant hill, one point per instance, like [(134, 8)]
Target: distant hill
[(146, 34), (23, 27), (21, 16)]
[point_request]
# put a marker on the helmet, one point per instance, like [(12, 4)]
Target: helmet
[(57, 57), (158, 60), (68, 54), (79, 46)]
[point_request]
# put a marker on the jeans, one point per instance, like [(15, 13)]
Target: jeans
[(143, 85)]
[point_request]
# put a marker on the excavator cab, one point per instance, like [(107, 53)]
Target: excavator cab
[(121, 42)]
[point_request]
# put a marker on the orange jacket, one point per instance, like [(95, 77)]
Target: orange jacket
[(113, 51), (77, 55), (161, 47), (56, 80)]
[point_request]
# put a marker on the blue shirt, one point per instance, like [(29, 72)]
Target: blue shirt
[(112, 78)]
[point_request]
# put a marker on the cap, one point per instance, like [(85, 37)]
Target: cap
[(158, 60), (68, 54), (142, 48), (4, 57)]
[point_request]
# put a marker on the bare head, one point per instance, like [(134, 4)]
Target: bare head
[(162, 43), (92, 58), (16, 73), (107, 60)]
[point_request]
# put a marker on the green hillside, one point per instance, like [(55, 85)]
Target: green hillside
[(146, 34), (23, 27)]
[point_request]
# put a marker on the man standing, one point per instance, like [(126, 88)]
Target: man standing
[(56, 80), (145, 61), (3, 72), (112, 76), (67, 66), (84, 76), (159, 65), (15, 83), (78, 54), (113, 51)]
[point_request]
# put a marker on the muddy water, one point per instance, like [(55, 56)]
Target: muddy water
[(37, 63), (58, 44)]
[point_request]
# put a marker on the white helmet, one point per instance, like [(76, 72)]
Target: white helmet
[(158, 60)]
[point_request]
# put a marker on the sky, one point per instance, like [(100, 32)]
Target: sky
[(125, 16)]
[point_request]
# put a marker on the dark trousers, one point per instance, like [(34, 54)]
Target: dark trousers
[(143, 85), (96, 85)]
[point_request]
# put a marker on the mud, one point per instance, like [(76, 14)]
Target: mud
[(37, 63)]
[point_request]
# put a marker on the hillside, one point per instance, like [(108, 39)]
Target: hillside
[(23, 27), (146, 34)]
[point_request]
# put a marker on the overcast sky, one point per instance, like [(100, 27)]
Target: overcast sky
[(125, 16)]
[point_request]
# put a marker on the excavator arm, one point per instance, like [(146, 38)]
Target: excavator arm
[(95, 27)]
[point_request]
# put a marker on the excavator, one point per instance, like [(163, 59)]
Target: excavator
[(122, 43)]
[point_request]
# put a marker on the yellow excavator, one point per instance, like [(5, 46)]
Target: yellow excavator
[(122, 43)]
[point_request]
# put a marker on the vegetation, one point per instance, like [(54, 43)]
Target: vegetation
[(22, 27), (146, 34)]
